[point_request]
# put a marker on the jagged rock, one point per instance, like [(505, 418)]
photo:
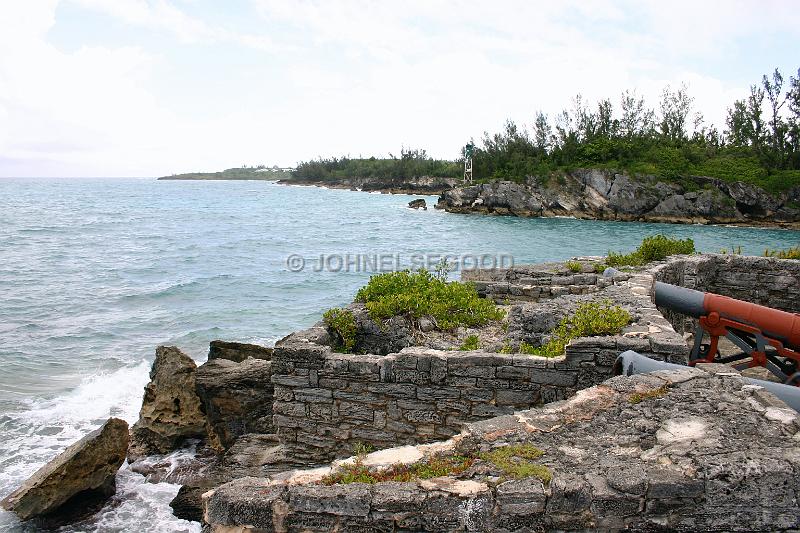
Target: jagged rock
[(751, 199), (236, 398), (237, 351), (80, 478), (631, 198), (600, 194), (418, 204), (188, 503), (171, 410), (392, 335)]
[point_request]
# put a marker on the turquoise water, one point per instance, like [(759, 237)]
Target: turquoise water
[(94, 273)]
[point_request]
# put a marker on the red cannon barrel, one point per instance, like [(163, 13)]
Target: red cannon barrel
[(774, 323)]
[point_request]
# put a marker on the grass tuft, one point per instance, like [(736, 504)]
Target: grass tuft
[(515, 461), (790, 253), (431, 467), (639, 397), (470, 343)]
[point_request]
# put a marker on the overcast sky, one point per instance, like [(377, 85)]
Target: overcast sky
[(154, 87)]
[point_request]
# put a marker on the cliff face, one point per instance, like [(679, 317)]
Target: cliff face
[(603, 195)]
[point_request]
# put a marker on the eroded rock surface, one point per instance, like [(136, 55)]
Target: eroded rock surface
[(236, 398), (79, 479), (237, 351), (171, 410), (604, 195), (682, 450)]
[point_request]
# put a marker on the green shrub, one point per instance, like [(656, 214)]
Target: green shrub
[(343, 323), (653, 248), (591, 318), (418, 294), (573, 266), (790, 253), (470, 343)]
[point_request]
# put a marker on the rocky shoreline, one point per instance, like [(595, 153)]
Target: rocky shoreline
[(640, 453), (600, 195)]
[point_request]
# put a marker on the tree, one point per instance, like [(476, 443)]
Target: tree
[(542, 132), (606, 124), (637, 118), (772, 88), (675, 109), (793, 122)]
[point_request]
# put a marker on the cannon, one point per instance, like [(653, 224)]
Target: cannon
[(767, 337), (630, 363)]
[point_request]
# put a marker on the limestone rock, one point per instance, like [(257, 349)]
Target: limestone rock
[(236, 397), (81, 476), (418, 204), (171, 410), (237, 351), (188, 503)]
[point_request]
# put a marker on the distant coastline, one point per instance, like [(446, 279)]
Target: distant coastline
[(261, 173)]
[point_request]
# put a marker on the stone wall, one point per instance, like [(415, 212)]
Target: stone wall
[(534, 282), (643, 453), (761, 280), (326, 402)]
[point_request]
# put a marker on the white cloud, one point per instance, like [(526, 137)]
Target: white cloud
[(352, 77)]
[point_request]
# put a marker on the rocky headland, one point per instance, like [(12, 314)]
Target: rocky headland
[(598, 195), (604, 195)]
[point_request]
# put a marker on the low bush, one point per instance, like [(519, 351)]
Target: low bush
[(420, 293), (573, 266), (591, 318), (343, 323), (653, 248)]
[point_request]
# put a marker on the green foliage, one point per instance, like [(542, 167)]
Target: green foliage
[(410, 164), (343, 323), (591, 318), (791, 253), (516, 461), (260, 172), (418, 294), (506, 349), (653, 248), (470, 343), (599, 268), (574, 266), (429, 468)]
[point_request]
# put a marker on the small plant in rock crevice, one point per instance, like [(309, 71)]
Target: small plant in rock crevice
[(516, 461), (470, 343), (639, 397), (431, 467), (573, 266), (343, 323)]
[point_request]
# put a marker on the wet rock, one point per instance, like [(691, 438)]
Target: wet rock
[(236, 398), (188, 503), (237, 351), (81, 478), (418, 204), (171, 410)]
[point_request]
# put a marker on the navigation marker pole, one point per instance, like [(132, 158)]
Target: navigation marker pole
[(468, 149)]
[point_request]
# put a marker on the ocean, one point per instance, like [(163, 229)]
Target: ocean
[(95, 273)]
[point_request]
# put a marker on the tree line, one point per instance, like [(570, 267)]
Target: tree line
[(760, 142)]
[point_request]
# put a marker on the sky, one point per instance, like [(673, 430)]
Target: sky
[(155, 87)]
